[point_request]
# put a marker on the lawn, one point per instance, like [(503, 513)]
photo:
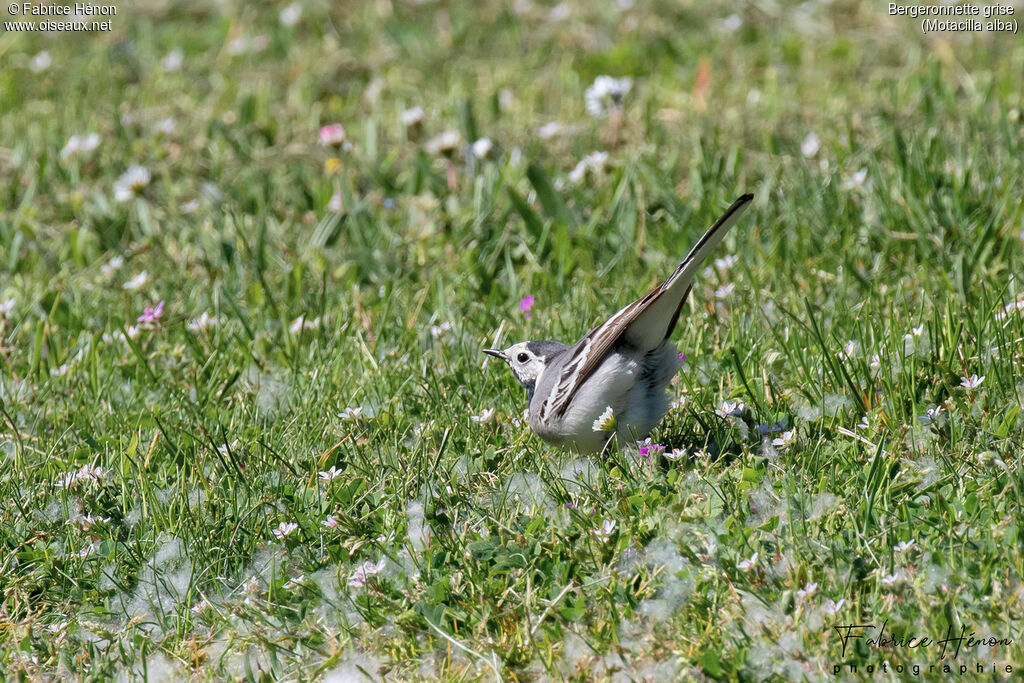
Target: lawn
[(249, 257)]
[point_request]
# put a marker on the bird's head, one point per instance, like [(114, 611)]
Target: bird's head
[(528, 360)]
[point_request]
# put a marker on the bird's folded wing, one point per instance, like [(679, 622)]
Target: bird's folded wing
[(643, 324)]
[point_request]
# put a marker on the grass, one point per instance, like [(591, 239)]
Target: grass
[(871, 276)]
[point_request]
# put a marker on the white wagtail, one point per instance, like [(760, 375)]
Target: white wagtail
[(624, 364)]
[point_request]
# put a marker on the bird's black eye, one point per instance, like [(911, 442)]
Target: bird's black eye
[(522, 358)]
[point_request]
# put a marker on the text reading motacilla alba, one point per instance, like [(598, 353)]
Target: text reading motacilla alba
[(965, 17)]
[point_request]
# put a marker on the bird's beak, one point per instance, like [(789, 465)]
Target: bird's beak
[(497, 353)]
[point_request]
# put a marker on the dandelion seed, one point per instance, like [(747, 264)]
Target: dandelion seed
[(40, 62), (173, 61), (137, 282), (807, 591), (904, 546), (784, 440), (151, 314), (351, 414), (332, 135), (482, 148), (204, 321), (972, 382), (930, 415), (605, 421), (78, 144), (131, 183), (485, 415), (330, 475), (731, 409), (7, 307), (364, 571), (108, 268), (809, 147), (290, 15), (330, 522), (285, 528), (747, 564), (444, 144), (832, 607), (606, 529), (605, 94)]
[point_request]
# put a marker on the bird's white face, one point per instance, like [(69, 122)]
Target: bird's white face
[(526, 363)]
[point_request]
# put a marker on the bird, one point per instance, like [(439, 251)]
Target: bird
[(624, 364)]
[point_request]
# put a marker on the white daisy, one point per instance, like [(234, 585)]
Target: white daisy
[(605, 94), (131, 183), (605, 421)]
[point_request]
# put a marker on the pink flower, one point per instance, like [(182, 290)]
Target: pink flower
[(150, 315), (334, 134), (682, 358), (525, 304)]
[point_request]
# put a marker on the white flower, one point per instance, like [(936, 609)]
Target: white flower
[(850, 349), (60, 370), (930, 415), (173, 60), (191, 206), (444, 143), (747, 564), (732, 23), (336, 203), (87, 522), (412, 116), (285, 528), (783, 440), (856, 180), (40, 62), (330, 475), (726, 262), (330, 522), (605, 94), (485, 415), (83, 473), (166, 126), (809, 147), (702, 454), (295, 582), (225, 448), (422, 428), (1011, 307), (890, 579), (605, 421), (807, 591), (440, 329), (80, 143), (365, 571), (678, 403), (560, 12), (351, 413), (606, 529), (6, 306), (917, 331), (832, 607), (301, 323), (594, 162), (676, 453), (137, 282), (131, 183), (550, 130), (863, 424), (482, 147), (110, 266), (876, 362), (291, 14), (904, 546), (725, 291), (731, 409), (972, 382), (202, 322)]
